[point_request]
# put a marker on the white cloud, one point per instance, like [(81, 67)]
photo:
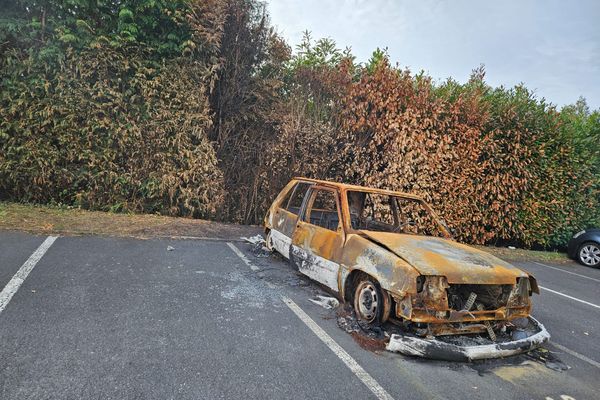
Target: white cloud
[(551, 46)]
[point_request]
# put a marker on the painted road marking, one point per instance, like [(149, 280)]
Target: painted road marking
[(242, 256), (347, 359), (338, 350), (17, 280), (576, 354), (568, 272), (570, 297)]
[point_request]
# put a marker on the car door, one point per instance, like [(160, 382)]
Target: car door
[(318, 238), (285, 216)]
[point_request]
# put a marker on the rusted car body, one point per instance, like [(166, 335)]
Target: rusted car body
[(389, 254)]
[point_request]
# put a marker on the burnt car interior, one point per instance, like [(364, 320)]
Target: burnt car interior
[(385, 213), (322, 209)]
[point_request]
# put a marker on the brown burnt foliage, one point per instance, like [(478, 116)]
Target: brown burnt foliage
[(399, 135), (495, 163)]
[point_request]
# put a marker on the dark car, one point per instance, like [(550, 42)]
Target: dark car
[(585, 247)]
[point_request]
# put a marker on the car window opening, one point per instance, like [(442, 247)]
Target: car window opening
[(323, 211), (387, 213), (294, 201)]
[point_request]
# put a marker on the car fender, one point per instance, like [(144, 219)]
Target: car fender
[(393, 274)]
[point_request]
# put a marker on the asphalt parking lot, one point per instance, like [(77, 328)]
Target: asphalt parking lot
[(115, 318)]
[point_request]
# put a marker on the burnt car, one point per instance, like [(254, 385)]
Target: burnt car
[(584, 247), (393, 258)]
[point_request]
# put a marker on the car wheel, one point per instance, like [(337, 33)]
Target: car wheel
[(589, 254), (368, 301)]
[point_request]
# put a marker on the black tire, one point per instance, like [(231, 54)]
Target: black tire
[(368, 300), (588, 254)]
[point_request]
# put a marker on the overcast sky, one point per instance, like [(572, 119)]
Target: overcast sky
[(551, 46)]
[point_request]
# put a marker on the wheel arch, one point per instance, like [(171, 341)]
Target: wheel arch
[(350, 282)]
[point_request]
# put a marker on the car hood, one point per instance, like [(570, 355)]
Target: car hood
[(457, 262)]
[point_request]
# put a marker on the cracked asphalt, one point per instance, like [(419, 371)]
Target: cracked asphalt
[(115, 318)]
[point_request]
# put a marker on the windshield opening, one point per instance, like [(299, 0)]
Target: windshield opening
[(387, 213)]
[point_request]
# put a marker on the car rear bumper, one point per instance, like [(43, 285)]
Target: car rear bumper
[(441, 350)]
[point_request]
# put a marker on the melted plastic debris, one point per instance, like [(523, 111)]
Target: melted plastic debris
[(346, 320), (326, 302), (547, 358), (372, 338), (519, 328), (257, 239), (259, 246)]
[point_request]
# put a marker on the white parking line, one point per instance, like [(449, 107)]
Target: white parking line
[(568, 272), (350, 362), (17, 280), (570, 297), (242, 256), (338, 350), (576, 354)]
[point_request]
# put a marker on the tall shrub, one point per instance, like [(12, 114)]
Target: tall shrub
[(112, 112)]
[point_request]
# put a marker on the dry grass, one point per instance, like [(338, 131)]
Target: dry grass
[(68, 221)]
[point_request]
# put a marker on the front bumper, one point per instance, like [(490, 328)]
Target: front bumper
[(441, 350)]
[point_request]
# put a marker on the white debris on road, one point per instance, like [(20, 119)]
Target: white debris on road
[(326, 302), (259, 245), (170, 248), (258, 239)]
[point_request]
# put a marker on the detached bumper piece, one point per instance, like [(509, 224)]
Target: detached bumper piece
[(444, 350)]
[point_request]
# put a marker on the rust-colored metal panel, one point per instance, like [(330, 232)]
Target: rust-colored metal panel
[(443, 257), (317, 249)]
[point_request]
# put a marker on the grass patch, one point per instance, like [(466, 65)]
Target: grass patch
[(69, 221)]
